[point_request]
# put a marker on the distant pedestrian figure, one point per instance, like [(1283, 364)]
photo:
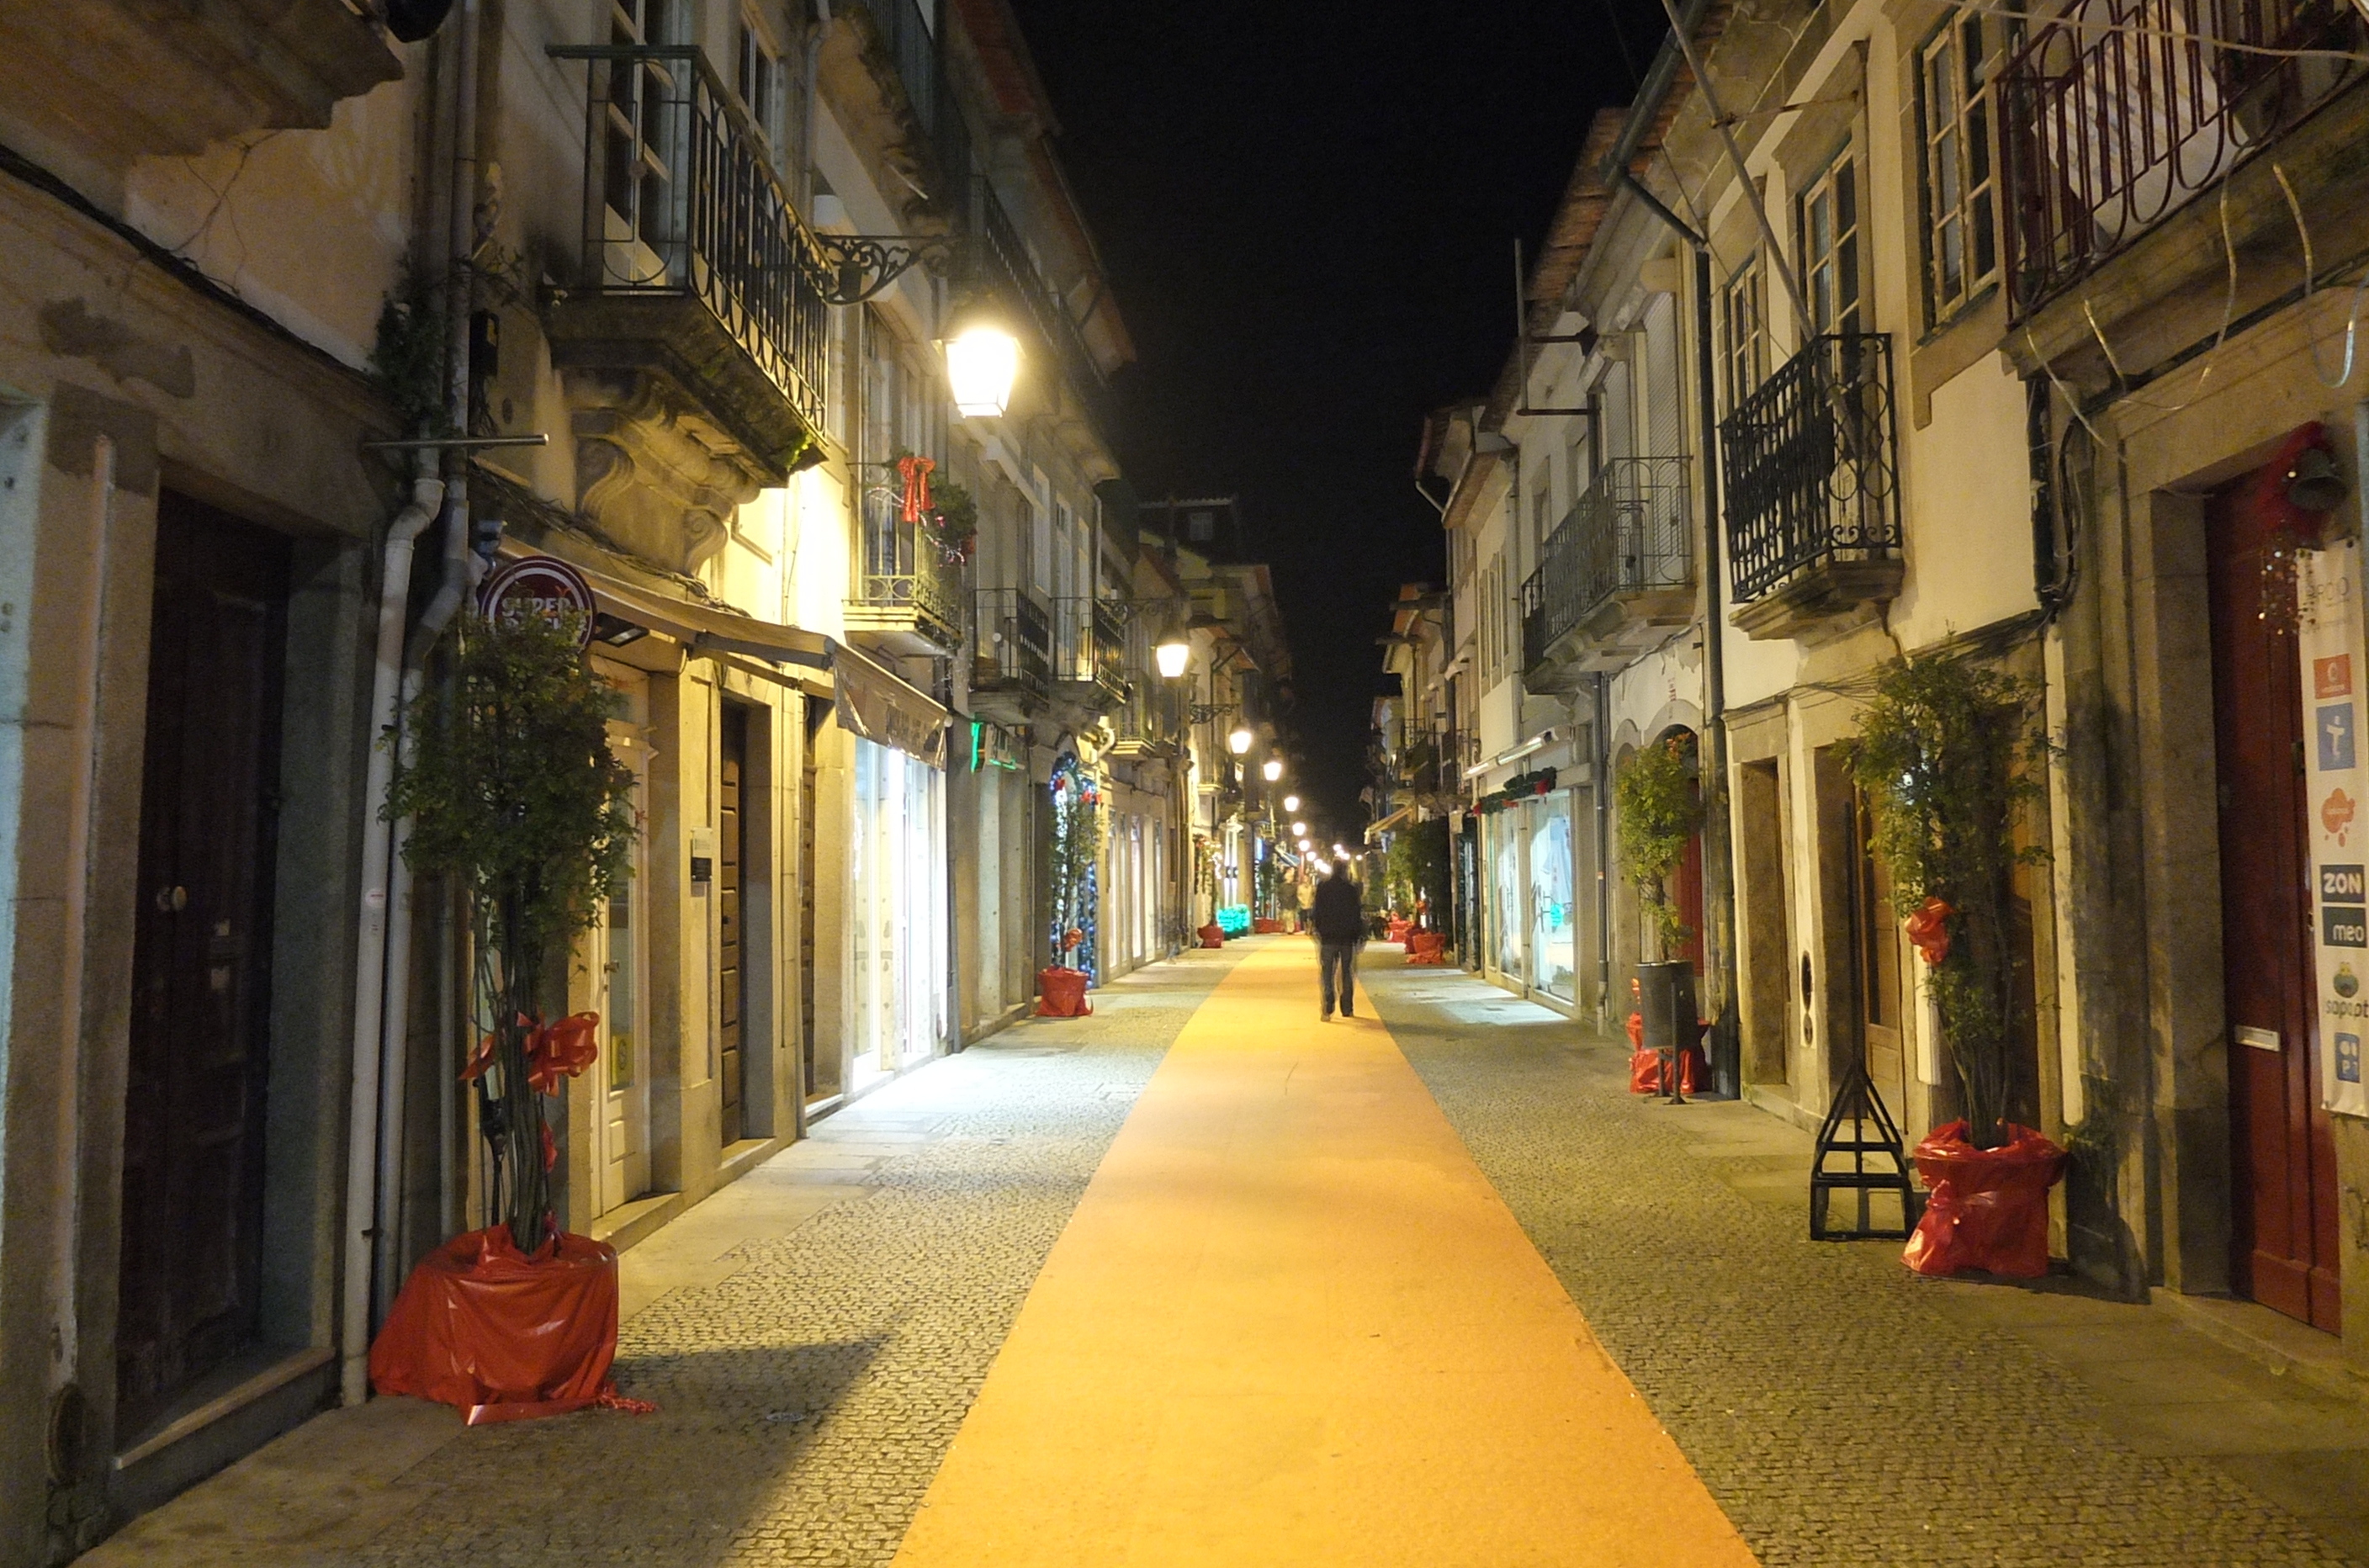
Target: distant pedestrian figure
[(1303, 897), (1340, 919)]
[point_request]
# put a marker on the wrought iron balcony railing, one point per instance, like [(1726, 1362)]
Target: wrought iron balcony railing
[(1004, 258), (1434, 764), (906, 36), (1809, 464), (682, 201), (904, 573), (1090, 645), (2118, 111), (1014, 650), (1626, 534)]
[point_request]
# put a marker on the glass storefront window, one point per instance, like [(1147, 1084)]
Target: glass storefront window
[(1554, 931), (1507, 901)]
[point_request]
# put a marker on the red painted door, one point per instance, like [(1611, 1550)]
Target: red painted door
[(2282, 1149), (191, 1263)]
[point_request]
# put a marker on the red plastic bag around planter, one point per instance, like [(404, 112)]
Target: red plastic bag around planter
[(1061, 993), (1646, 1070), (1212, 935), (1989, 1207), (503, 1336), (1427, 947), (1266, 928)]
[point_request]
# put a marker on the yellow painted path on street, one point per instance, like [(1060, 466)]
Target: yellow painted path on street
[(1292, 1324)]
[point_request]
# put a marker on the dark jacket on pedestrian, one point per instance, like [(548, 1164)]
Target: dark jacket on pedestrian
[(1340, 914)]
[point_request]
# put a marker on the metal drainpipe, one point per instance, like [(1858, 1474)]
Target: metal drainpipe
[(370, 958), (1606, 1004), (1719, 862), (374, 1129)]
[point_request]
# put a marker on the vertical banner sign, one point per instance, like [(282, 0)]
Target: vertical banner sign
[(2329, 639)]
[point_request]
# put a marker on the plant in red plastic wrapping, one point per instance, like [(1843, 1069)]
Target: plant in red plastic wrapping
[(1948, 752), (1660, 810), (1929, 931), (1989, 1207), (513, 794)]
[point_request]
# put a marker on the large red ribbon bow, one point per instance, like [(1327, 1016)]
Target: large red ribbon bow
[(553, 1051), (1929, 931), (917, 471)]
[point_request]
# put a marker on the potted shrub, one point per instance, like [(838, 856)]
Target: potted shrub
[(513, 794), (1660, 812), (1946, 752)]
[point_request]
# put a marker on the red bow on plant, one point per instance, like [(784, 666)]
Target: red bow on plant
[(917, 471), (1929, 931), (553, 1051)]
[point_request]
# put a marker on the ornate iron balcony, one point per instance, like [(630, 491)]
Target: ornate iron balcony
[(1016, 644), (2119, 111), (1810, 467), (1090, 647), (1627, 533), (682, 206), (906, 585)]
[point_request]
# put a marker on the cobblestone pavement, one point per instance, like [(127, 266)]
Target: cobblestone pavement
[(1841, 1410), (806, 1400)]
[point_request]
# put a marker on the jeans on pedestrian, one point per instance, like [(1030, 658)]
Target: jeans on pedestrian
[(1336, 966)]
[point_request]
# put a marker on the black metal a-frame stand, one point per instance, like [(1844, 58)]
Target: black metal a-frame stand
[(1876, 1163)]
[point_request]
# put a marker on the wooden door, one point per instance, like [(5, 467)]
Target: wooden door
[(730, 973), (2283, 1155), (618, 950), (193, 1253), (1875, 951)]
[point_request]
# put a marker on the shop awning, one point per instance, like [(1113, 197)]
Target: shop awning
[(884, 707), (871, 699), (1389, 823)]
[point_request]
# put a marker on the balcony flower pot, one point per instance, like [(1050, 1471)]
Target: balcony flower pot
[(503, 1336), (1989, 1207), (1212, 935), (1061, 993)]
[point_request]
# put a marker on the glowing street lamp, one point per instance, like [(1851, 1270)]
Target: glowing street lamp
[(1273, 769), (1291, 803), (982, 361), (1173, 655), (1299, 829), (1238, 742)]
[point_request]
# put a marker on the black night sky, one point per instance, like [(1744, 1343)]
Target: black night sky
[(1308, 213)]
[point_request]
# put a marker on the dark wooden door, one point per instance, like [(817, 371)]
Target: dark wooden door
[(193, 1104), (1875, 949), (2282, 1153), (731, 983)]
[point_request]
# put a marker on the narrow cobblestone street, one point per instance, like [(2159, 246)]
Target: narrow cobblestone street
[(815, 1337)]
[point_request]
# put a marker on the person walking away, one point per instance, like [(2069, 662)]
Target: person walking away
[(1340, 918), (1303, 892)]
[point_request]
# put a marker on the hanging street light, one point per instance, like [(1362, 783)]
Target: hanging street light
[(1291, 803), (1299, 828), (1173, 654), (982, 361), (1273, 769), (1238, 742)]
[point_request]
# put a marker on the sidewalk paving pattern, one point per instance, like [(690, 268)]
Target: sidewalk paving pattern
[(816, 1334)]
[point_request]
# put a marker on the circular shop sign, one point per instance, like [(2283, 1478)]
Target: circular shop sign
[(539, 585)]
